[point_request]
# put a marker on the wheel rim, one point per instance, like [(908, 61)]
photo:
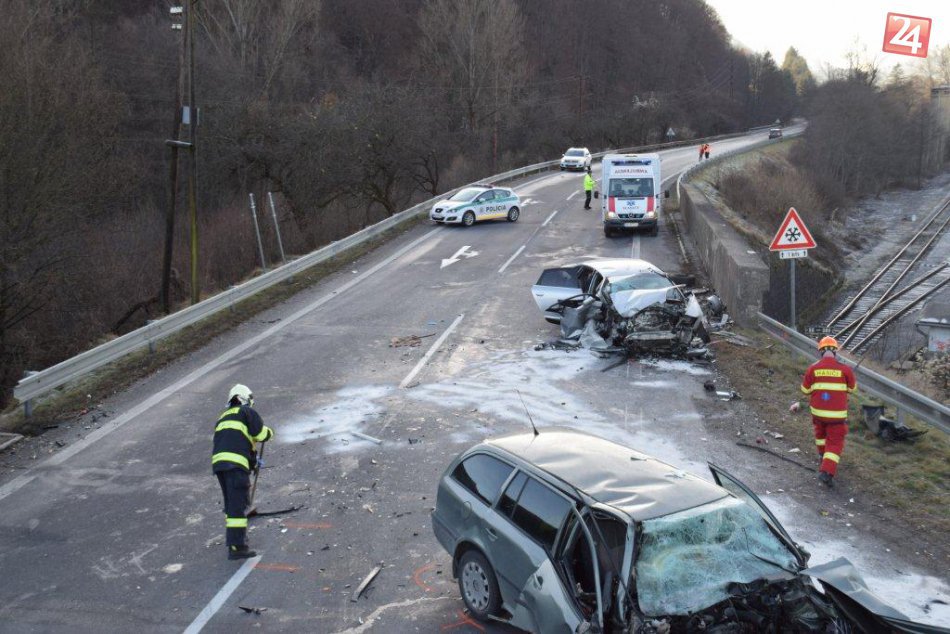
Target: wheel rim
[(513, 213), (468, 219), (475, 586)]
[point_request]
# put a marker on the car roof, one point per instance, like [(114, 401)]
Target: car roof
[(632, 482), (613, 267)]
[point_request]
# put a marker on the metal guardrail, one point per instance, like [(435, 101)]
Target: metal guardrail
[(36, 384), (903, 398)]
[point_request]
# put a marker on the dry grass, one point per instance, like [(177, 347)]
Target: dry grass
[(911, 477), (75, 398)]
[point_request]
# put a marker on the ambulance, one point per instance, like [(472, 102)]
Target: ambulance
[(630, 193)]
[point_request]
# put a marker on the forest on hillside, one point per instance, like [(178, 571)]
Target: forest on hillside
[(347, 111)]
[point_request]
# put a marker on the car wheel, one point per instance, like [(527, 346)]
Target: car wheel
[(478, 585), (608, 232), (468, 218), (513, 214), (655, 230)]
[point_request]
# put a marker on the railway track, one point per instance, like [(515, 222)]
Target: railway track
[(896, 288)]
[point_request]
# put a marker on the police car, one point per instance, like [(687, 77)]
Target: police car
[(478, 202)]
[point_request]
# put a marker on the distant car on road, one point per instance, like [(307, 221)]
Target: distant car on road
[(576, 158), (564, 532), (775, 133), (479, 202)]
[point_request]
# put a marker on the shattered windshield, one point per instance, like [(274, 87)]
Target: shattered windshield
[(641, 282), (688, 559), (467, 194)]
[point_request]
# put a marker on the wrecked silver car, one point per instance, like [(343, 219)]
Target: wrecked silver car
[(622, 304), (566, 532)]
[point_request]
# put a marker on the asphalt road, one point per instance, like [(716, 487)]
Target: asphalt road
[(121, 528)]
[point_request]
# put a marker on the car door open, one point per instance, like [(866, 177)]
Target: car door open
[(556, 285)]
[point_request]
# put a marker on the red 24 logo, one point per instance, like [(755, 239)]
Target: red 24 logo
[(906, 35)]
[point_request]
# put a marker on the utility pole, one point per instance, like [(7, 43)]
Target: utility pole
[(193, 152), (172, 190)]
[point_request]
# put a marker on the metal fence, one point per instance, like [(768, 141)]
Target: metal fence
[(903, 398), (36, 384)]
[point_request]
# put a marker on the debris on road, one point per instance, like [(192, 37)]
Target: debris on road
[(409, 340), (365, 583), (250, 610), (774, 453), (367, 437), (731, 395), (887, 429), (291, 509), (8, 440), (709, 386)]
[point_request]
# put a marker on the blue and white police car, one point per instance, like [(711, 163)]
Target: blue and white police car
[(475, 203)]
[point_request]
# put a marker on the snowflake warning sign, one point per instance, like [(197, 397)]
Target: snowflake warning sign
[(792, 234)]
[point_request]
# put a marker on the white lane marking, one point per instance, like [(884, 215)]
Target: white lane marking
[(572, 195), (21, 481), (545, 223), (218, 600), (512, 258), (528, 201), (635, 248), (458, 255), (428, 355)]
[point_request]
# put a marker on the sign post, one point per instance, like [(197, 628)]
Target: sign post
[(792, 241)]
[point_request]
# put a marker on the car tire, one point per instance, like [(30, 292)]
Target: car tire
[(655, 230), (513, 214), (468, 218), (478, 585), (608, 232)]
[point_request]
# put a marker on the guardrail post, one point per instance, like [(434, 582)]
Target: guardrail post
[(28, 403), (151, 342)]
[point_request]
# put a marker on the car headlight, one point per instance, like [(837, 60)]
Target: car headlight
[(611, 214), (651, 214)]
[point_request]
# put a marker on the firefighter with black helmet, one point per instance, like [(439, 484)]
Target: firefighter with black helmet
[(236, 434)]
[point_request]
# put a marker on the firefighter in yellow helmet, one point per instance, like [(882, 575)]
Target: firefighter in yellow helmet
[(828, 382), (234, 456)]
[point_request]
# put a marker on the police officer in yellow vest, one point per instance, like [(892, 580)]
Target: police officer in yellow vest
[(236, 435), (589, 184)]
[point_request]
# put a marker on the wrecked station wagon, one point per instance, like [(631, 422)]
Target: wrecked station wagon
[(622, 302), (564, 531)]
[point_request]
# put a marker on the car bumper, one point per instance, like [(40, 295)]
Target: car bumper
[(450, 217), (630, 224), (572, 166), (443, 534)]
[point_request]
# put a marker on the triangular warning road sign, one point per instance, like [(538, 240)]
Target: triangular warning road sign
[(792, 234)]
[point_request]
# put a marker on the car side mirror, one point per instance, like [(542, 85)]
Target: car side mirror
[(666, 194)]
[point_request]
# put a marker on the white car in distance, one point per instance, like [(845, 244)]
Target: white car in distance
[(576, 158)]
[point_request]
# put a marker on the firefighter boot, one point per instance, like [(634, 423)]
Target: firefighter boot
[(826, 479), (240, 552)]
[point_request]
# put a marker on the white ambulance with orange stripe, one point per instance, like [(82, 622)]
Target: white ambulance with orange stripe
[(630, 193)]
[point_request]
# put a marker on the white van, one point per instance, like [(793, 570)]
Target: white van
[(630, 192)]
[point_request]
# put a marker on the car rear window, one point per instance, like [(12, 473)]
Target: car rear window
[(560, 278), (540, 512), (483, 475)]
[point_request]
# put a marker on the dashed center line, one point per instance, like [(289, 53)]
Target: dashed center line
[(549, 218), (635, 248), (512, 258), (428, 355)]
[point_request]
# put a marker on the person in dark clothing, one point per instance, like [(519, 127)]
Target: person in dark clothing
[(236, 434)]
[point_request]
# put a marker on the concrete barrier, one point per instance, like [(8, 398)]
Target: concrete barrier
[(740, 278)]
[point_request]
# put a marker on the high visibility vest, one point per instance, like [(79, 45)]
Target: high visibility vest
[(236, 435), (828, 383), (588, 183)]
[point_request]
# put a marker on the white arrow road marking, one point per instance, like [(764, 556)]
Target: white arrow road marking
[(461, 253), (527, 201)]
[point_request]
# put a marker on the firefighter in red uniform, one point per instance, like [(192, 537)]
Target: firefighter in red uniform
[(828, 382)]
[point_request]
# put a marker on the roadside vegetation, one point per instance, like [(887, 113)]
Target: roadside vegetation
[(908, 481), (347, 111)]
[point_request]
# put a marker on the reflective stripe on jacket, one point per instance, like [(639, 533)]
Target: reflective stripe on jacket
[(828, 383), (236, 435)]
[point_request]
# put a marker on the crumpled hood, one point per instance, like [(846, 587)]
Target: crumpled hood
[(629, 303)]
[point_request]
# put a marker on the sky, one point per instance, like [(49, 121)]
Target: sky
[(823, 31)]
